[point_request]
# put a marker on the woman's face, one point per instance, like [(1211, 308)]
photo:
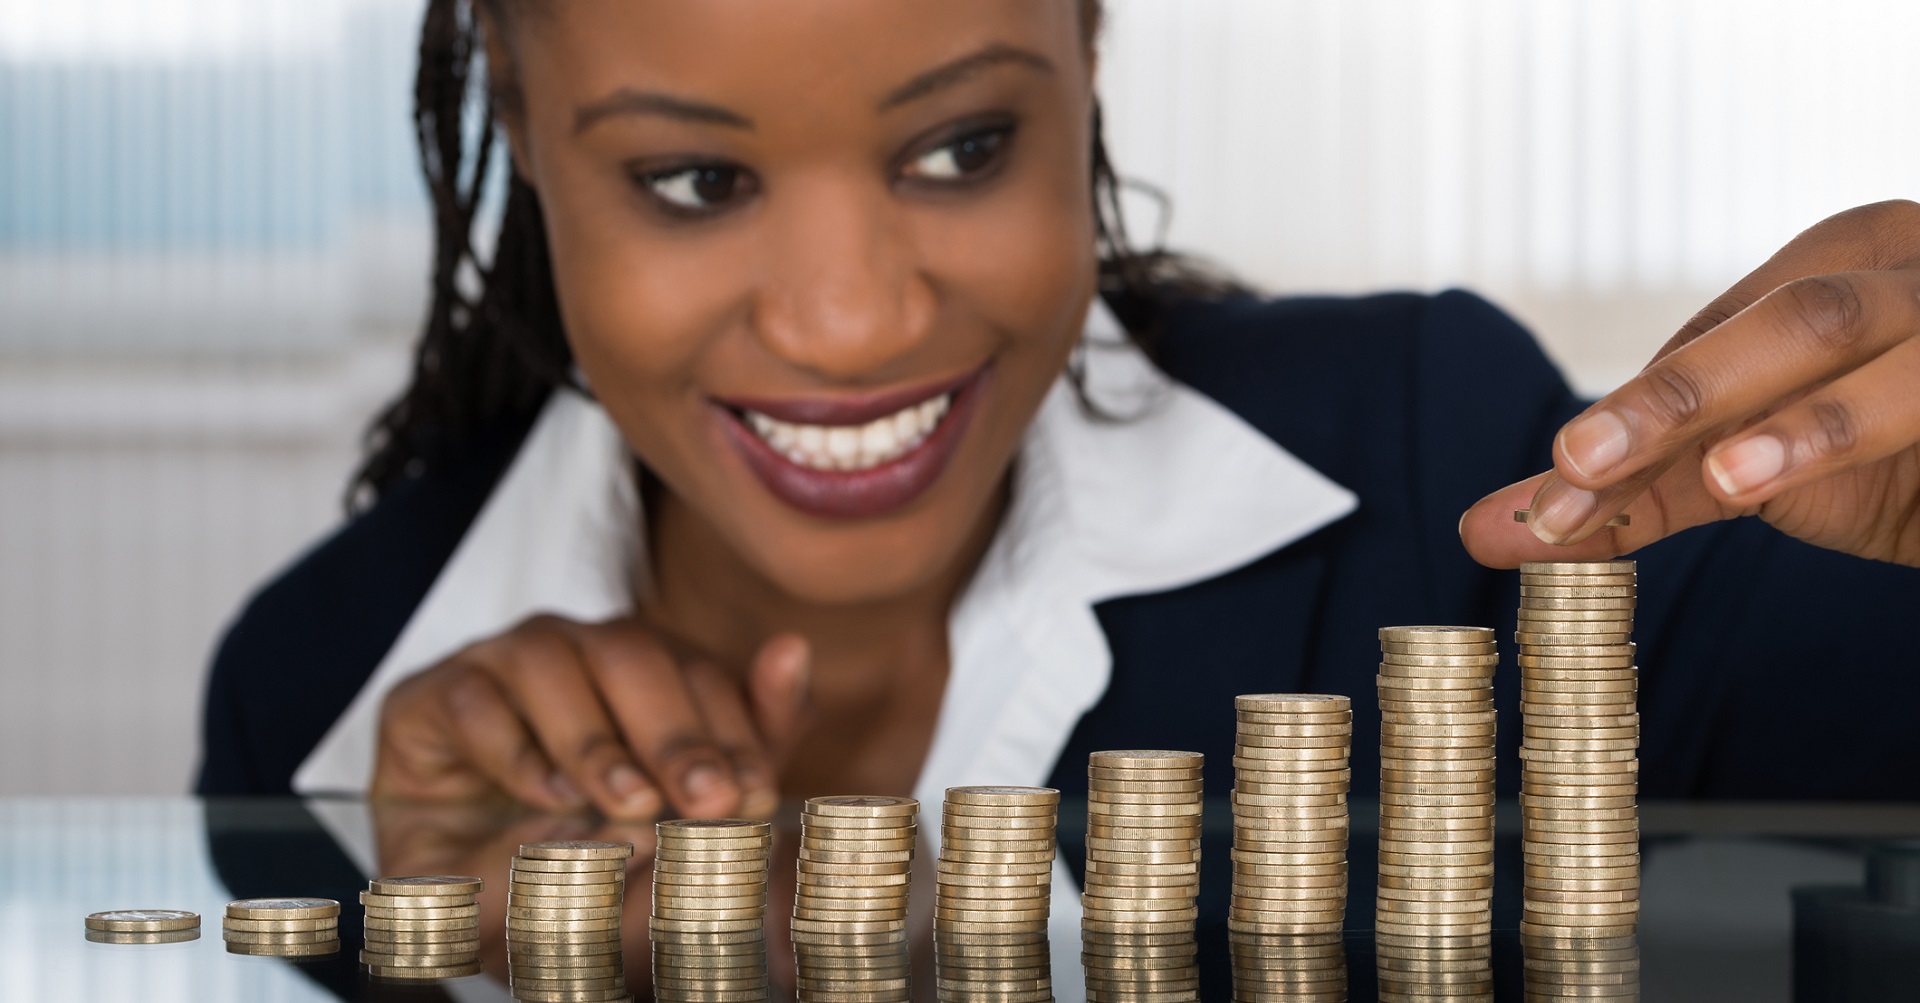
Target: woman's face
[(820, 261)]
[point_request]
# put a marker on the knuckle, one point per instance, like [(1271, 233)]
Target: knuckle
[(1836, 427), (1676, 395), (1711, 316), (1825, 308)]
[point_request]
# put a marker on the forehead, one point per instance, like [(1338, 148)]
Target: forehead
[(750, 52)]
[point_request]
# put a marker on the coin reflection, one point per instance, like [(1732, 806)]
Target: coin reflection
[(838, 965), (1140, 966), (1594, 968), (1274, 968), (158, 937), (1458, 970), (723, 968), (1003, 968)]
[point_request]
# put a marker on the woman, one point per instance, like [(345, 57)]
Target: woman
[(872, 492)]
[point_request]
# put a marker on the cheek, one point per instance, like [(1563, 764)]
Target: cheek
[(638, 309)]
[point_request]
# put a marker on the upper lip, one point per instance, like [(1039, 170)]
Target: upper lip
[(847, 409)]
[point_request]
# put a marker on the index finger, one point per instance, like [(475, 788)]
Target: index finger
[(1805, 333)]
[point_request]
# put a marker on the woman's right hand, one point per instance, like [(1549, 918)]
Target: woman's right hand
[(560, 714)]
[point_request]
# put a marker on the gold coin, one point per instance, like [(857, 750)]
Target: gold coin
[(1579, 568), (282, 950), (1570, 639), (143, 920), (288, 908), (442, 972), (564, 933), (379, 923), (1004, 796), (746, 859), (434, 960), (148, 937), (699, 829), (611, 865), (1452, 689), (562, 915), (281, 937), (426, 884), (448, 912), (575, 879), (1134, 759), (576, 849), (414, 901), (281, 925), (1277, 703), (399, 937), (862, 806), (1437, 635)]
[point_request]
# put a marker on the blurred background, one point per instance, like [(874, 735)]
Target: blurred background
[(213, 248)]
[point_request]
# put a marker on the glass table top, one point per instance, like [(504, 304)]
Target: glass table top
[(1752, 903)]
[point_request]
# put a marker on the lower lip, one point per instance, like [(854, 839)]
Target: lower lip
[(858, 494)]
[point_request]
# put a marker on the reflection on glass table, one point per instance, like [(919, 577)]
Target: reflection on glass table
[(1740, 902)]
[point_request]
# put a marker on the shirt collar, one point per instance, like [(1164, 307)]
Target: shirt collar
[(1177, 490)]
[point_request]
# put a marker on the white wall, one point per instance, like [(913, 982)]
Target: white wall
[(1600, 167)]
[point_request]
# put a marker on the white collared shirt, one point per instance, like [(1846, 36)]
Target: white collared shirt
[(1180, 492)]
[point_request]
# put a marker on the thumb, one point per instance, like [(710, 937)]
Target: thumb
[(778, 685)]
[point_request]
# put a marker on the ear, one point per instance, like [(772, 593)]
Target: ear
[(503, 88)]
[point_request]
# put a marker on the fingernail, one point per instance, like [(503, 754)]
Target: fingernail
[(702, 782), (1560, 511), (625, 781), (564, 790), (1595, 444), (1748, 465)]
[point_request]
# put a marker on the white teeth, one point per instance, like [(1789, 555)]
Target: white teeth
[(852, 447)]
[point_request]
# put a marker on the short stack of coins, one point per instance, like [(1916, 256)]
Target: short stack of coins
[(994, 892), (282, 928), (1291, 775), (1143, 873), (850, 898), (421, 927), (1281, 968), (710, 910), (1583, 968), (143, 926), (1435, 884), (563, 921), (1579, 751)]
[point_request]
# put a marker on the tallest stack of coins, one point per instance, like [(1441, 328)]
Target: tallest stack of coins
[(1579, 752), (1436, 787)]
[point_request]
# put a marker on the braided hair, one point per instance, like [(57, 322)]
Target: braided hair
[(493, 348)]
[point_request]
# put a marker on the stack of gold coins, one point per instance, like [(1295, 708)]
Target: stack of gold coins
[(994, 892), (422, 927), (282, 928), (563, 921), (143, 926), (1436, 971), (1143, 872), (1436, 784), (1579, 751), (710, 910), (1585, 968), (1287, 968), (1290, 783), (850, 898)]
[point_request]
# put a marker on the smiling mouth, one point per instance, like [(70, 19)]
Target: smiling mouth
[(851, 447), (853, 458)]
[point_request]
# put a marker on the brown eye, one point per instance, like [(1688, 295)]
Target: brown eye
[(968, 155), (695, 189)]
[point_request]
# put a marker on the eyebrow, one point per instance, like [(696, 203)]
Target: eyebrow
[(941, 77), (627, 101)]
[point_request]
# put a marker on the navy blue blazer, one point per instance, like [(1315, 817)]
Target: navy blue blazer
[(1769, 668)]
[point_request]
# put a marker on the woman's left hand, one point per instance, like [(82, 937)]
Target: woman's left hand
[(1795, 397)]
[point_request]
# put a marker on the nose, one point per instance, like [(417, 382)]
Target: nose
[(842, 293)]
